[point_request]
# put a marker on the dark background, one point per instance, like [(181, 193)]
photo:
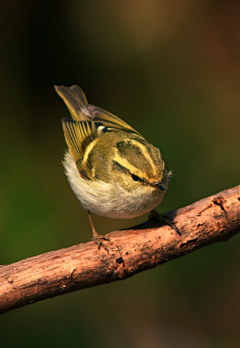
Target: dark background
[(172, 70)]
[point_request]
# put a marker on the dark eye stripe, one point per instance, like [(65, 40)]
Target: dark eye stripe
[(122, 169), (135, 177), (117, 166)]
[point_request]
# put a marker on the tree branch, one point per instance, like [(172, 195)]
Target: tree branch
[(209, 220)]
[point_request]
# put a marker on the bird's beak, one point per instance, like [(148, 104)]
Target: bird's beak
[(159, 186)]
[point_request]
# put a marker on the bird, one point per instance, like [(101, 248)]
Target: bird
[(112, 169)]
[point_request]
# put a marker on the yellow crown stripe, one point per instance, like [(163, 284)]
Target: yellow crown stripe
[(124, 163), (145, 153)]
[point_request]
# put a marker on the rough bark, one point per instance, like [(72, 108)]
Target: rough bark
[(131, 251)]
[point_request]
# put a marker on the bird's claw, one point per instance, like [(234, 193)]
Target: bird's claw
[(165, 218), (98, 239)]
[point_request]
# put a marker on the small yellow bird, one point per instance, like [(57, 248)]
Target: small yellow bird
[(112, 169)]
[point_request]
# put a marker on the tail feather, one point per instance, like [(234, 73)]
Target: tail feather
[(80, 94), (75, 100)]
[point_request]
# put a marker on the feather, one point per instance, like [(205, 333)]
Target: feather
[(80, 110), (75, 100)]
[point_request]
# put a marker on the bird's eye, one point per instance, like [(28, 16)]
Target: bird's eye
[(135, 177)]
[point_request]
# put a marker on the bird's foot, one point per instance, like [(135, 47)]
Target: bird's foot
[(98, 238), (165, 218)]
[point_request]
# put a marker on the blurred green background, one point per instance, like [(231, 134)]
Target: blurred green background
[(172, 70)]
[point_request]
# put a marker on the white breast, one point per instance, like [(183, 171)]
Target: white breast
[(102, 198)]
